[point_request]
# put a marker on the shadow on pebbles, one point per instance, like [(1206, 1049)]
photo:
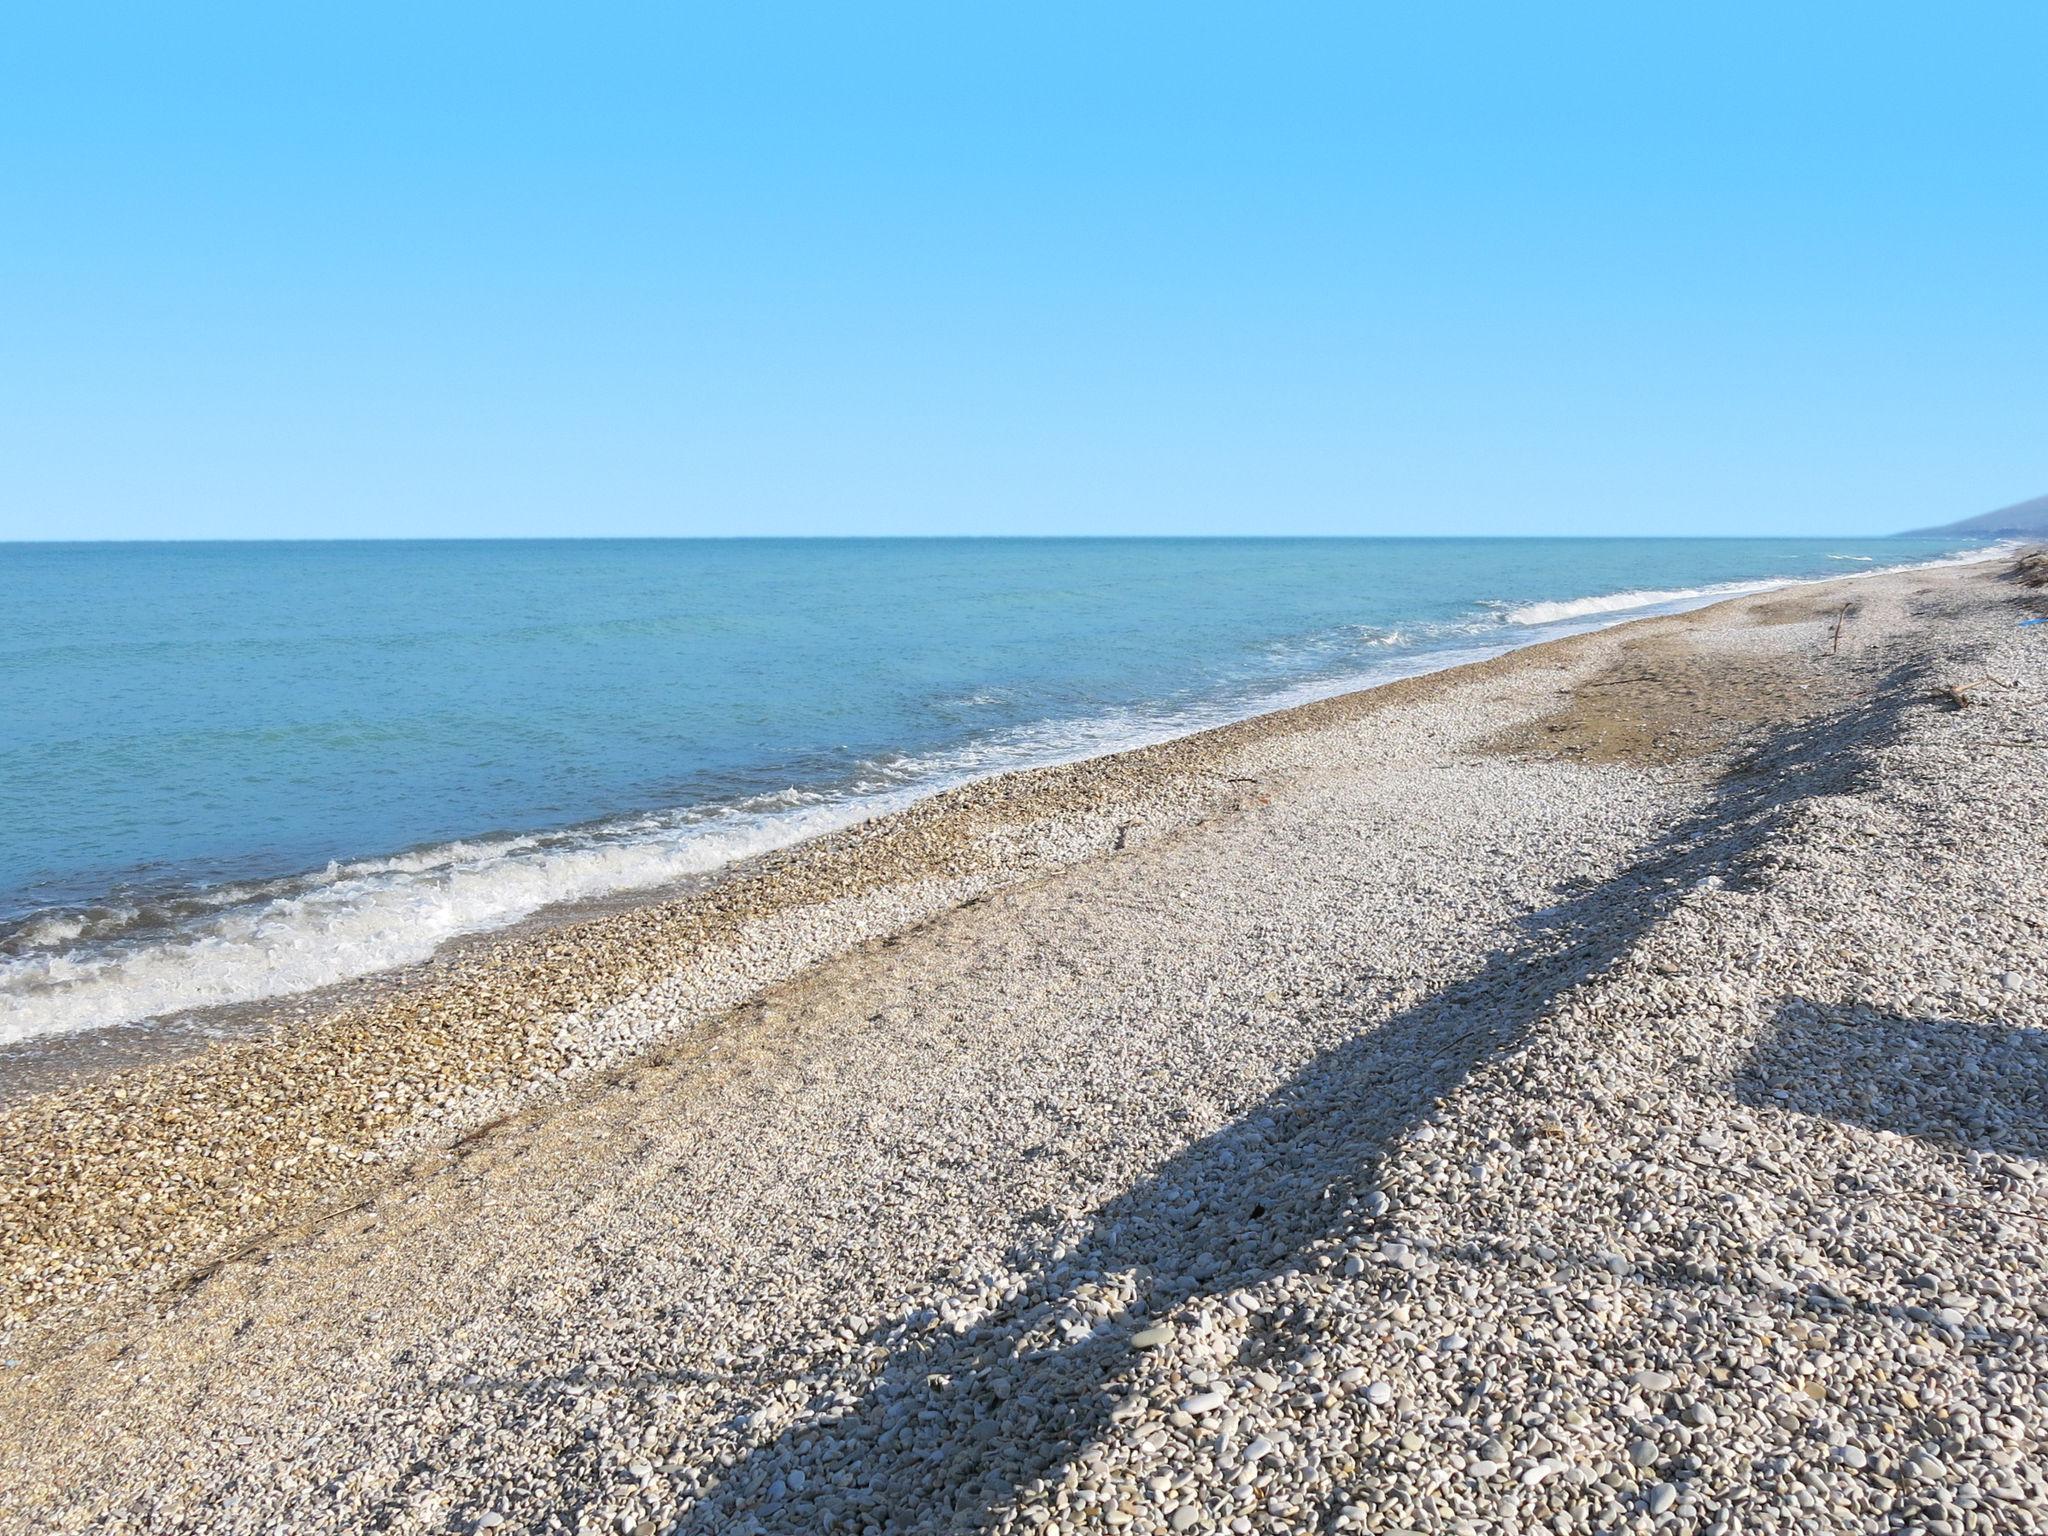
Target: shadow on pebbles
[(1457, 1140)]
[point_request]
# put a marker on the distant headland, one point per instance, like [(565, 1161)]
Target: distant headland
[(2021, 520)]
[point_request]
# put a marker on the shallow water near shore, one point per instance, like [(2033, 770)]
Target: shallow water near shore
[(237, 772)]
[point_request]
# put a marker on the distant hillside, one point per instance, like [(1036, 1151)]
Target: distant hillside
[(2022, 520)]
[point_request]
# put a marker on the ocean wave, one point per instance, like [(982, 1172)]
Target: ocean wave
[(1630, 602), (1567, 609), (353, 920)]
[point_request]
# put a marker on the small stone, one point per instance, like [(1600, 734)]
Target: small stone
[(1379, 1394), (1153, 1337), (1662, 1497), (1203, 1402), (1642, 1453)]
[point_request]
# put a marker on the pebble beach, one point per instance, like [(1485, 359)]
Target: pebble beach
[(1600, 1088)]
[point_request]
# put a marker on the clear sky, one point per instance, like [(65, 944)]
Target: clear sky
[(289, 271)]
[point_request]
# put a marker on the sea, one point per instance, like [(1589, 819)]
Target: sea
[(232, 772)]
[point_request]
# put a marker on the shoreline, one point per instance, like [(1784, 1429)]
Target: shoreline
[(329, 1089), (40, 1062), (1507, 1075)]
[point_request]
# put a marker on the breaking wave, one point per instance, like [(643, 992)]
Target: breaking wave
[(1635, 602), (121, 963), (1630, 602)]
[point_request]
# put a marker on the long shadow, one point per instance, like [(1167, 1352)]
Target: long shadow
[(1978, 1086), (963, 1421)]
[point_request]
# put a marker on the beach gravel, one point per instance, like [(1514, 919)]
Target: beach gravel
[(1540, 1100)]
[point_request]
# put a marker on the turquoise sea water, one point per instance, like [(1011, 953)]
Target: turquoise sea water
[(229, 771)]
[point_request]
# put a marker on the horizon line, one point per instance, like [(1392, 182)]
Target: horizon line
[(930, 538)]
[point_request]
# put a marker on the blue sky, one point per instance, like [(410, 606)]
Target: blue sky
[(504, 270)]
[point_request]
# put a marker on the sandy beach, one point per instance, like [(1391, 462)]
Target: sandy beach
[(1597, 1088)]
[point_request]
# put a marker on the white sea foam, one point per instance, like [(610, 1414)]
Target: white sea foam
[(122, 964), (356, 919), (1631, 602), (1568, 609)]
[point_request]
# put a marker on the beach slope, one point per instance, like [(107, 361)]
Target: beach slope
[(1601, 1087)]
